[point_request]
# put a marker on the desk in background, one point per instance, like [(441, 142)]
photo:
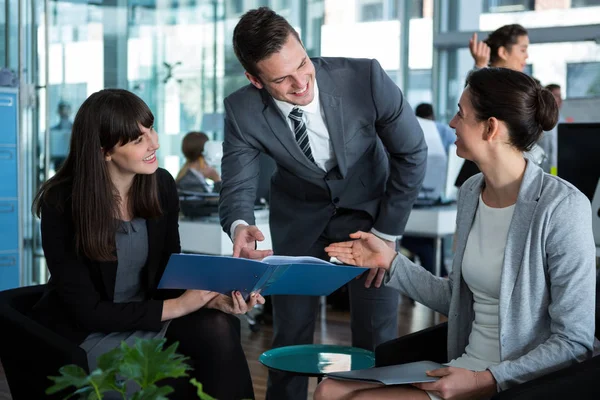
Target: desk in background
[(435, 223), (205, 236)]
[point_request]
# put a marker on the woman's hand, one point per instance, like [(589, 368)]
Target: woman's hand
[(235, 304), (459, 383), (366, 251), (480, 52)]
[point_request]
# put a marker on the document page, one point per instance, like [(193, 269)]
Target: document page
[(283, 260)]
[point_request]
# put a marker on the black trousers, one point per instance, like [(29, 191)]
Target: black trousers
[(211, 339)]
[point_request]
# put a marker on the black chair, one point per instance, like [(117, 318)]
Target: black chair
[(577, 381), (29, 351)]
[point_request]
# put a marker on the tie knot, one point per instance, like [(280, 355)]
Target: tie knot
[(296, 113)]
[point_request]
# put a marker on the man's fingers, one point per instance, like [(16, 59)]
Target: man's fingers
[(256, 233), (379, 278), (370, 277), (255, 254)]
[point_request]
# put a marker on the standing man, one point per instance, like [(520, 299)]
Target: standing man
[(350, 155)]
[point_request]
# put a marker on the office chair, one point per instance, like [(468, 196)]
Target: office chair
[(577, 381), (29, 351)]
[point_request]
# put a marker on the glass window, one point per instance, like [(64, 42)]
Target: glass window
[(371, 12), (583, 79), (544, 14), (500, 6)]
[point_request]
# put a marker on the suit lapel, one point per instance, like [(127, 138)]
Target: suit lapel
[(333, 112), (281, 130), (518, 231)]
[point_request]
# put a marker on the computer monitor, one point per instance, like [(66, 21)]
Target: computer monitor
[(578, 159)]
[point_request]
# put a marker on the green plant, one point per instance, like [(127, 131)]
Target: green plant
[(145, 363)]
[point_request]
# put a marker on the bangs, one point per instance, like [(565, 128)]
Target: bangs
[(124, 112)]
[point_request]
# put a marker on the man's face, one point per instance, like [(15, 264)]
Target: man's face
[(287, 75)]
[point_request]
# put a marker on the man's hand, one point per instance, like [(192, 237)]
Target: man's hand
[(244, 243), (459, 383), (480, 52)]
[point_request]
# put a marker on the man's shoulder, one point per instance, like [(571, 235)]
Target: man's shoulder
[(247, 94), (342, 63)]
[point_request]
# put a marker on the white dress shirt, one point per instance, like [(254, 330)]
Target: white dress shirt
[(319, 139)]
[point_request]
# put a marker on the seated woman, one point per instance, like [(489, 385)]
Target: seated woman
[(109, 225), (192, 176), (520, 298)]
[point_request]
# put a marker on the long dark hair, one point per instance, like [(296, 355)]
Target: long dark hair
[(106, 119), (515, 98)]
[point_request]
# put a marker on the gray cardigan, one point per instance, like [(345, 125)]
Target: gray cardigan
[(547, 292)]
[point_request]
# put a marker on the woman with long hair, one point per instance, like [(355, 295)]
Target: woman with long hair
[(109, 221), (520, 297), (506, 47), (195, 166)]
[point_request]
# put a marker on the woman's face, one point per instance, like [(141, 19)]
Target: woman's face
[(135, 157), (516, 57), (469, 131)]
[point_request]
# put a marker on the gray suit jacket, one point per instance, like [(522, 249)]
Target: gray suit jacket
[(378, 144), (547, 291)]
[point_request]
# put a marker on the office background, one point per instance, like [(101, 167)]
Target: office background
[(177, 56)]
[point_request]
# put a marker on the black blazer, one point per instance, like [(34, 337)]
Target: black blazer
[(79, 295)]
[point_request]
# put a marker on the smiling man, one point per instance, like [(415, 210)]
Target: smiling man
[(350, 156)]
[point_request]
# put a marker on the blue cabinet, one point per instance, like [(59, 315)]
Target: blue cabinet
[(10, 235)]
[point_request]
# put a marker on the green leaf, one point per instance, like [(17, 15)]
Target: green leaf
[(147, 363), (200, 392), (70, 375), (153, 392)]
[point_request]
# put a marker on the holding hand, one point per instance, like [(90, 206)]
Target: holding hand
[(366, 251), (235, 304), (459, 383), (244, 243), (480, 52)]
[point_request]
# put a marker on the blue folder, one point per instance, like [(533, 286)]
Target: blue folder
[(273, 275)]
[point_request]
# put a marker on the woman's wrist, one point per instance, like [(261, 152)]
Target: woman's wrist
[(390, 257), (485, 382)]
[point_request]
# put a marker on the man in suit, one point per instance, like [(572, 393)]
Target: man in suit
[(350, 155)]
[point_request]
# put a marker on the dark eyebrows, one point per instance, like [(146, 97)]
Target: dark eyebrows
[(283, 77)]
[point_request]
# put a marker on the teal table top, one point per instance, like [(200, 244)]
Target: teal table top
[(317, 359)]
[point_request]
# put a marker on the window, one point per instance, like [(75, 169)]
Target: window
[(371, 12), (501, 6), (583, 79), (584, 3)]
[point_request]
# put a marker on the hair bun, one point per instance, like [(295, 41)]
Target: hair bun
[(546, 113)]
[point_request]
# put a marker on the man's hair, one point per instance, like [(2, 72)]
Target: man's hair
[(259, 34), (424, 110), (553, 86)]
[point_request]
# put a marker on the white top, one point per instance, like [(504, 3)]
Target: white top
[(482, 270)]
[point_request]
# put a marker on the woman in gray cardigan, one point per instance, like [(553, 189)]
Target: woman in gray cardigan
[(520, 299)]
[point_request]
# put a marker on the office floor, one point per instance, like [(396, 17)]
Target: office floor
[(334, 330)]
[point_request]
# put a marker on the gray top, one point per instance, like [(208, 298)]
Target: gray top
[(132, 252), (546, 302)]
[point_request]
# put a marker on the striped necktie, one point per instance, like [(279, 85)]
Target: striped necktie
[(301, 133)]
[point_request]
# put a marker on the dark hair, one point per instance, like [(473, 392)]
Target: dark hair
[(553, 86), (506, 36), (192, 145), (106, 119), (424, 110), (258, 34), (516, 99)]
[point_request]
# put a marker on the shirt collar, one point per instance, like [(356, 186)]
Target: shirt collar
[(312, 108)]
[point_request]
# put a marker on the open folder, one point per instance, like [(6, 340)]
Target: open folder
[(273, 275), (400, 374)]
